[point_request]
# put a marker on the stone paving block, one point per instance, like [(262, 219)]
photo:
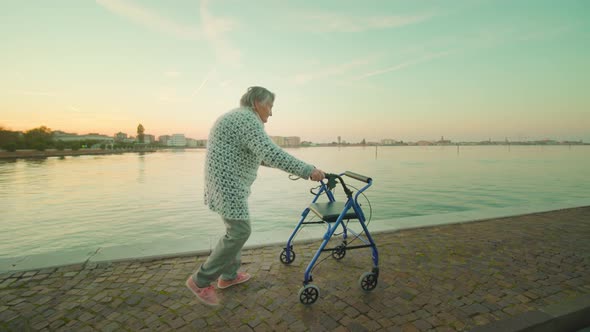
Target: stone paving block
[(176, 323), (481, 319), (40, 325), (198, 323), (474, 309), (56, 324), (351, 312), (86, 316)]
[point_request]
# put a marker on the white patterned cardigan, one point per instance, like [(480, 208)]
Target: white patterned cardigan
[(236, 147)]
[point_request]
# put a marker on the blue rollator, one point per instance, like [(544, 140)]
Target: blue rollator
[(333, 214)]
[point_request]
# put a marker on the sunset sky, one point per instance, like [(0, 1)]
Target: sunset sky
[(406, 70)]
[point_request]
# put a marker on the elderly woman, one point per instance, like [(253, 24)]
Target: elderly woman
[(237, 146)]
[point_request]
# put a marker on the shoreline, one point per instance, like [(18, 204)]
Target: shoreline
[(29, 153), (63, 153), (187, 246)]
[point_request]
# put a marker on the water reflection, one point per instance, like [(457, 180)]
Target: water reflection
[(8, 161), (47, 205), (141, 167), (7, 168), (35, 162)]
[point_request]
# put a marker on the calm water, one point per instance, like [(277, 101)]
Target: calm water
[(58, 205)]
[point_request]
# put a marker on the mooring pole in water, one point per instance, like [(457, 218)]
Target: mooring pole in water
[(457, 148), (375, 151)]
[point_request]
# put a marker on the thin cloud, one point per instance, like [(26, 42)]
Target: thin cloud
[(32, 93), (205, 80), (329, 22), (172, 73), (215, 30), (225, 83), (550, 32), (330, 71), (150, 19), (485, 39), (404, 65), (170, 96)]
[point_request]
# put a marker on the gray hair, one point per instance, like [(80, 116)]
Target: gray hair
[(256, 93)]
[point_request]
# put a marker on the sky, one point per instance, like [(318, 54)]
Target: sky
[(468, 70)]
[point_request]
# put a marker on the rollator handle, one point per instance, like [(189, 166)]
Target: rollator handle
[(357, 176), (332, 183)]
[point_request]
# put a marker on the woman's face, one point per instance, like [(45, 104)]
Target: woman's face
[(264, 109)]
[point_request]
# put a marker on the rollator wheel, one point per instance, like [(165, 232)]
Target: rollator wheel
[(308, 294), (368, 281), (339, 252), (287, 259)]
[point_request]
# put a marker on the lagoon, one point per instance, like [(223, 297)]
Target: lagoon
[(55, 210)]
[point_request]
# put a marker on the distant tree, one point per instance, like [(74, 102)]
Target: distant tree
[(60, 145), (363, 142), (9, 140), (39, 146), (39, 138), (140, 133), (10, 147)]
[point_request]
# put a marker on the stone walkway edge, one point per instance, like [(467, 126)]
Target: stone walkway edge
[(186, 246)]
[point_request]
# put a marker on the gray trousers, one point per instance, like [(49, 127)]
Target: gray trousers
[(225, 259)]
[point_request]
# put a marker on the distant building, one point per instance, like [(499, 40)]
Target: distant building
[(196, 143), (292, 141), (289, 142), (119, 137), (488, 142), (191, 143), (546, 142), (63, 136), (164, 139), (177, 140), (129, 139), (572, 142), (279, 140), (443, 141), (148, 139), (67, 137), (388, 141)]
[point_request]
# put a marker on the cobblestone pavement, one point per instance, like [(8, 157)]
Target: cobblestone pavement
[(443, 278)]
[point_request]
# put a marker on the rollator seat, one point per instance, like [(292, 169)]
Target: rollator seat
[(330, 211)]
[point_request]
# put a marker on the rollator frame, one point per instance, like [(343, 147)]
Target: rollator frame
[(328, 213)]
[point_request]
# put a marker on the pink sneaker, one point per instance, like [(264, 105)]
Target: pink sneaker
[(241, 278), (206, 295)]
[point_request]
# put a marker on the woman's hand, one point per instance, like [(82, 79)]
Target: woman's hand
[(317, 175)]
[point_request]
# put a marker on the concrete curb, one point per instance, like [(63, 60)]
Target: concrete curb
[(567, 316)]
